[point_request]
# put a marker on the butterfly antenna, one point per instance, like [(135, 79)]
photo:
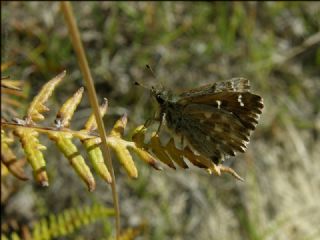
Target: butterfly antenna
[(153, 74), (140, 85)]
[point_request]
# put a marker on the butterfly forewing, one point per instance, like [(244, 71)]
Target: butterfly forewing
[(243, 105), (232, 85)]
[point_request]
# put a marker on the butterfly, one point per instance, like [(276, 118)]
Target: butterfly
[(216, 119)]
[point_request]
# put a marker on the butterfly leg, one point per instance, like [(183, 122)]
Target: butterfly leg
[(149, 121), (182, 142), (160, 120)]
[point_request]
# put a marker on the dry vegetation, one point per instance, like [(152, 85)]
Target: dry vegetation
[(274, 44)]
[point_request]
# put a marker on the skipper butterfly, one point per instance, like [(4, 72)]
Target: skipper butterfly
[(216, 119)]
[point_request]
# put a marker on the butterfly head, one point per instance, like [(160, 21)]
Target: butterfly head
[(160, 95)]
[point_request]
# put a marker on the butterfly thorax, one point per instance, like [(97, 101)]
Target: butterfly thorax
[(169, 108), (174, 116)]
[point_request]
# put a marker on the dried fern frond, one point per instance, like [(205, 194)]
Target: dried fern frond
[(121, 148), (170, 154), (9, 159), (7, 84), (92, 145), (28, 132), (11, 93), (37, 105)]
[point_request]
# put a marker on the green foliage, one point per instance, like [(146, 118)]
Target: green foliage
[(65, 223)]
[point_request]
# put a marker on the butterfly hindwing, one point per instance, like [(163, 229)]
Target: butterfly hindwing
[(215, 129)]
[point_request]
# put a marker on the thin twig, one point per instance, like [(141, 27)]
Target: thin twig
[(295, 51), (80, 134), (78, 47)]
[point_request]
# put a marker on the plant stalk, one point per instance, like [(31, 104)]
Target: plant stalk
[(84, 67)]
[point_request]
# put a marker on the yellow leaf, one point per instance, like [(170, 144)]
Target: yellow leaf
[(124, 155), (91, 124), (119, 126), (139, 135), (71, 152), (67, 110), (145, 156), (36, 106), (96, 158), (32, 148), (9, 159)]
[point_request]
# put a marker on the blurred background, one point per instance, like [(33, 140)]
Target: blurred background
[(273, 44)]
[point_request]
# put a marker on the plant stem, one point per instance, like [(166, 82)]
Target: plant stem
[(78, 47)]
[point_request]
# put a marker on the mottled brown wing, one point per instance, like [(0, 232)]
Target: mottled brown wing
[(232, 96), (232, 85), (213, 132), (221, 119), (245, 106)]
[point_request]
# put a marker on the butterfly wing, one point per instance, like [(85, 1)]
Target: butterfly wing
[(232, 85), (232, 96), (221, 118), (214, 133)]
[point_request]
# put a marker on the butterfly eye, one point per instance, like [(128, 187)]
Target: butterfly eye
[(153, 90), (160, 99)]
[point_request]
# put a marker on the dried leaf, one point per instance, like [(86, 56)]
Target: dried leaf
[(91, 124), (32, 148), (71, 152), (9, 159), (139, 135), (158, 150), (196, 160), (118, 128), (119, 147), (67, 110), (10, 84), (37, 105), (170, 152), (230, 171), (141, 149), (145, 156), (175, 154), (96, 158)]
